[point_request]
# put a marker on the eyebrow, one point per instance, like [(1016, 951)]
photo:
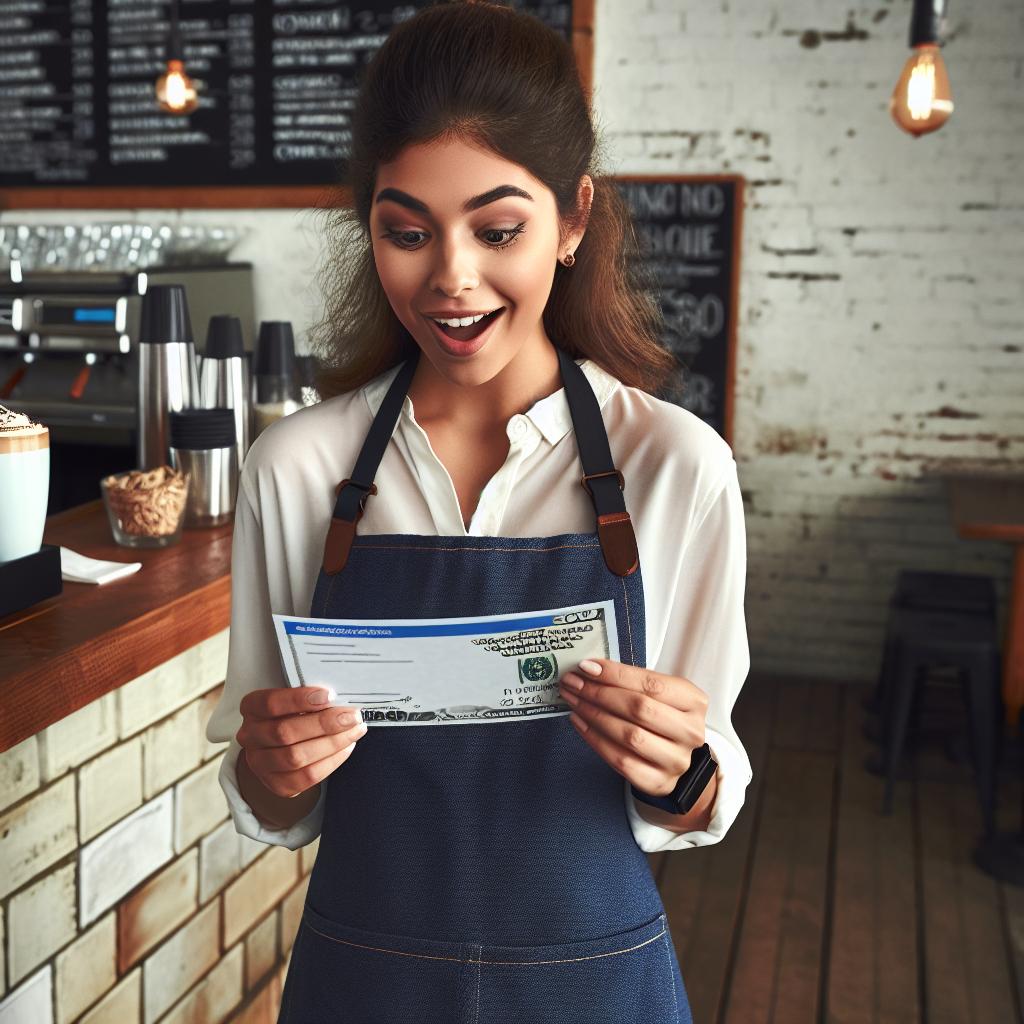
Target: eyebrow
[(404, 199)]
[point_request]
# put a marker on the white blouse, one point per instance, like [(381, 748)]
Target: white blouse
[(681, 490)]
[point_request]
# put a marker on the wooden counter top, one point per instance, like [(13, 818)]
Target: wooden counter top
[(60, 654)]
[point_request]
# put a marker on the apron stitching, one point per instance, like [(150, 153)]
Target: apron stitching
[(574, 959), (490, 963), (629, 627), (423, 547), (672, 976), (479, 954)]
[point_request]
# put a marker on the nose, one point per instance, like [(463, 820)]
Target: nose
[(454, 268)]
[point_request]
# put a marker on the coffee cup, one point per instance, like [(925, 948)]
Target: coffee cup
[(24, 484)]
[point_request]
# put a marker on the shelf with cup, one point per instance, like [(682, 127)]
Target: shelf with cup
[(65, 652)]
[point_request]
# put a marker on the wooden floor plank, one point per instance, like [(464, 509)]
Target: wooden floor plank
[(778, 958), (1013, 908), (817, 907), (801, 963), (703, 888), (779, 954), (947, 989), (983, 952), (872, 962)]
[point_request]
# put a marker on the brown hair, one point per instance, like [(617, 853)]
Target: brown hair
[(502, 79)]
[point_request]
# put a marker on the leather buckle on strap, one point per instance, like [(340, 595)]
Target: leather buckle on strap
[(368, 488), (341, 532), (584, 480)]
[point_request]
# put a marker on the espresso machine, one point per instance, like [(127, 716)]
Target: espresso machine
[(69, 359)]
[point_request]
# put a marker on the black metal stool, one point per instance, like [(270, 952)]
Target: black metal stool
[(936, 591), (967, 641)]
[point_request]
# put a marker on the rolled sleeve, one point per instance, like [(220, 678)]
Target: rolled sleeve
[(707, 644), (253, 663), (303, 832)]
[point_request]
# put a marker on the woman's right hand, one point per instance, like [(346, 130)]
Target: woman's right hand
[(291, 740)]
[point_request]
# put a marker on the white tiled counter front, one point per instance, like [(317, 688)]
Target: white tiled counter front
[(126, 895)]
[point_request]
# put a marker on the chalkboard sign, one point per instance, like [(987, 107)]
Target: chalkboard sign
[(276, 82), (689, 231)]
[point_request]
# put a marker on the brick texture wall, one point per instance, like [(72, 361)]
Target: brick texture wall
[(879, 341), (880, 333), (126, 896), (881, 320)]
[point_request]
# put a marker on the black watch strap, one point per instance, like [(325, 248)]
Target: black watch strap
[(691, 784)]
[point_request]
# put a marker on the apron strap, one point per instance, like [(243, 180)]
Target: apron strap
[(353, 491), (601, 480)]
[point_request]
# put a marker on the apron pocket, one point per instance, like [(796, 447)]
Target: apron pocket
[(345, 975), (627, 976)]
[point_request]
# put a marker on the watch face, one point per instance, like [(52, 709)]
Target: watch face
[(694, 780), (688, 788)]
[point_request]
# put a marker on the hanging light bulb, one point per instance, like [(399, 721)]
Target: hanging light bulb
[(922, 101), (175, 91)]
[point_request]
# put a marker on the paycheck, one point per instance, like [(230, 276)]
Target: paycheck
[(455, 671)]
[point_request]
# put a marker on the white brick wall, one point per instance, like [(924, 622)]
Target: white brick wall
[(880, 288), (43, 916), (125, 894), (879, 336), (879, 283), (124, 855)]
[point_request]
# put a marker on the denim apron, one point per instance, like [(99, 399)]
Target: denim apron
[(482, 873)]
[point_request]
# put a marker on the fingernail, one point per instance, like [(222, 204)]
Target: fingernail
[(322, 696), (349, 718), (590, 666), (574, 681)]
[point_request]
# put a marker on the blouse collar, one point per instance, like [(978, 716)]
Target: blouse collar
[(550, 414)]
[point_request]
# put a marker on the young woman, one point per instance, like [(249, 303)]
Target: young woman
[(487, 872)]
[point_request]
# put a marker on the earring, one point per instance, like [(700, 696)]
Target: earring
[(569, 259)]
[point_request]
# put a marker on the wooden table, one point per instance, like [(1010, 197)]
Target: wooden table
[(992, 508), (62, 653)]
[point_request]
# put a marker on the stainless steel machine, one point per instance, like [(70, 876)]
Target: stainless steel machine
[(69, 359)]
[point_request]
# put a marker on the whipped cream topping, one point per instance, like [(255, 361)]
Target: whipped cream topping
[(17, 424)]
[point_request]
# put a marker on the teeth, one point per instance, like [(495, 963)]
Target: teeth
[(463, 321)]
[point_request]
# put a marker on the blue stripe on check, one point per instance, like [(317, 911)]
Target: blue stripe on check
[(428, 629)]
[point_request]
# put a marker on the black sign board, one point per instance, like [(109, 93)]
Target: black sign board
[(689, 230), (277, 83)]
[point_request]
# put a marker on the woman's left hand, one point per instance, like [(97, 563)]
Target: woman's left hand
[(645, 724)]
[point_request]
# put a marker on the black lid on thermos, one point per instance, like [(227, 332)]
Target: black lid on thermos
[(275, 349), (167, 369), (164, 316), (224, 337)]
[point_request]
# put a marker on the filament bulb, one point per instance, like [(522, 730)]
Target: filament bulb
[(922, 101), (174, 90)]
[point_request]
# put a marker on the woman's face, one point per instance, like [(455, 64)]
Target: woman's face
[(458, 230)]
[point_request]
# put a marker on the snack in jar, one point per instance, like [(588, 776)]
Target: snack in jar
[(146, 507)]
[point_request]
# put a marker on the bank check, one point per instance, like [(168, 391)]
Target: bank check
[(486, 668)]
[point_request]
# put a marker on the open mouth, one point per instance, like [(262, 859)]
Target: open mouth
[(470, 332)]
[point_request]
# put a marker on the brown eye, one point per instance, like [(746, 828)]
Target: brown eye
[(513, 234), (396, 235), (401, 238)]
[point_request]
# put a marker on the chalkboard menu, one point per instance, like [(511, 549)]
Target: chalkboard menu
[(277, 80), (689, 230)]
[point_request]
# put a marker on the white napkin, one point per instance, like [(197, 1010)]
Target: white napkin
[(79, 569)]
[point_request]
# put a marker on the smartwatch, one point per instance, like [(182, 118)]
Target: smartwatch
[(691, 784)]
